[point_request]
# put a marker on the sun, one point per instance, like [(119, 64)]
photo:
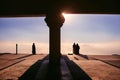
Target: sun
[(66, 15), (63, 14)]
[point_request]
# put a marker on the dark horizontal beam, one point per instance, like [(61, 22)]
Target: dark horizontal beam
[(18, 8)]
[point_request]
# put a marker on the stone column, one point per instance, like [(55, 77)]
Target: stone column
[(54, 20), (16, 48)]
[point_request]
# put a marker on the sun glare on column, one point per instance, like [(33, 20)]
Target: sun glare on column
[(63, 14), (66, 15)]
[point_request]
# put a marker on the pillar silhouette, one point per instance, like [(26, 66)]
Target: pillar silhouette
[(54, 20), (16, 48)]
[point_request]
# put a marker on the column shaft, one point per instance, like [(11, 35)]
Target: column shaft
[(55, 49)]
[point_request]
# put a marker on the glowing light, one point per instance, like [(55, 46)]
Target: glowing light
[(66, 15), (69, 18), (63, 14)]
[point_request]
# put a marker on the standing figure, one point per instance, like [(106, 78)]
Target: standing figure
[(74, 46), (33, 49), (77, 49)]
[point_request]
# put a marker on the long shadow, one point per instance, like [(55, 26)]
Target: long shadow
[(84, 56), (25, 56), (54, 73), (31, 73), (4, 53), (76, 58), (11, 64), (76, 71), (107, 62)]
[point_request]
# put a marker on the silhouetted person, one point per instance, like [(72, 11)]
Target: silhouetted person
[(77, 49), (33, 49), (74, 48)]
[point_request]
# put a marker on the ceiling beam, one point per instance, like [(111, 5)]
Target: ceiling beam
[(28, 8)]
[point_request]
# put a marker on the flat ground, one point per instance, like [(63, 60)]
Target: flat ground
[(14, 71), (98, 67)]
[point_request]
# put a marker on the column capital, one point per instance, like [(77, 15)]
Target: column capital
[(54, 19)]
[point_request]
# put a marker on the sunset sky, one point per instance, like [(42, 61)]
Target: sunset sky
[(95, 33)]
